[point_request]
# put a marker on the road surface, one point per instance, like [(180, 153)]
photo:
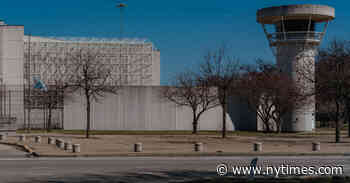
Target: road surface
[(137, 169), (15, 167), (10, 152)]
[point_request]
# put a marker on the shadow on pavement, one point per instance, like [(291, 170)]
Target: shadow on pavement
[(182, 177), (142, 177), (7, 151)]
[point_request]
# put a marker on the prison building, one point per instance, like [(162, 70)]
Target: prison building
[(137, 60), (138, 106)]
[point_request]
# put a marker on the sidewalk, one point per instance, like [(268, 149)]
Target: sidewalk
[(183, 145)]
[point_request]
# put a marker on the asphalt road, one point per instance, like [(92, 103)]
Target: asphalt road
[(137, 169), (16, 167), (10, 152)]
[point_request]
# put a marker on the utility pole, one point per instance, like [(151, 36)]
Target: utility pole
[(121, 6)]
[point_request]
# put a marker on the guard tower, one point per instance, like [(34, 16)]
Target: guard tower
[(294, 33)]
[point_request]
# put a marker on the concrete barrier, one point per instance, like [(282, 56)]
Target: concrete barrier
[(316, 146), (257, 147), (57, 142), (37, 139), (22, 138), (198, 147), (68, 146), (60, 144), (136, 102), (51, 140), (76, 148), (2, 137), (138, 147)]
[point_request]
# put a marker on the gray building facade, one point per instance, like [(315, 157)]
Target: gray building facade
[(137, 107)]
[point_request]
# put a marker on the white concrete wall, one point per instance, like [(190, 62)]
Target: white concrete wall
[(11, 54), (137, 108), (11, 68)]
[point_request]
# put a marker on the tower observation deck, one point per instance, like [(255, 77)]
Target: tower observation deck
[(294, 33)]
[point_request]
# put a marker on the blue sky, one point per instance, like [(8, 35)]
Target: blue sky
[(183, 30)]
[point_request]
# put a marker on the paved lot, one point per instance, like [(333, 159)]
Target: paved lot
[(137, 169)]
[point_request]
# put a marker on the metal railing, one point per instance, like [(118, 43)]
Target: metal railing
[(295, 36)]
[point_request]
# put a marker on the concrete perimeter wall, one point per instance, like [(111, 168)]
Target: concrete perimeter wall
[(138, 108)]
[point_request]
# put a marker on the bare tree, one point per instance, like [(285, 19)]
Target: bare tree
[(271, 93), (52, 69), (189, 91), (252, 93), (92, 78), (85, 68), (333, 82), (222, 71), (53, 98)]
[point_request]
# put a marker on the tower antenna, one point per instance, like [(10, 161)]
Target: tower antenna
[(121, 6)]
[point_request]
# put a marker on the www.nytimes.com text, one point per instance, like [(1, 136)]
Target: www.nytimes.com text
[(282, 170)]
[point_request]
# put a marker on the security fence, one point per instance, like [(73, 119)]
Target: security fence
[(27, 108), (43, 109)]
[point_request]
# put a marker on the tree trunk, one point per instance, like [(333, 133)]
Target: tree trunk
[(337, 132), (337, 125), (267, 125), (348, 115), (87, 116), (279, 126), (224, 121), (29, 120), (279, 129), (195, 124), (49, 119), (348, 125)]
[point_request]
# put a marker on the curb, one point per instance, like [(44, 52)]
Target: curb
[(188, 154)]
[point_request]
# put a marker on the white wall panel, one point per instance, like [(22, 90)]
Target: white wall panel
[(138, 108)]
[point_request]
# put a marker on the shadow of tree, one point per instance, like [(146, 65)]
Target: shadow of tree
[(181, 177), (142, 177)]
